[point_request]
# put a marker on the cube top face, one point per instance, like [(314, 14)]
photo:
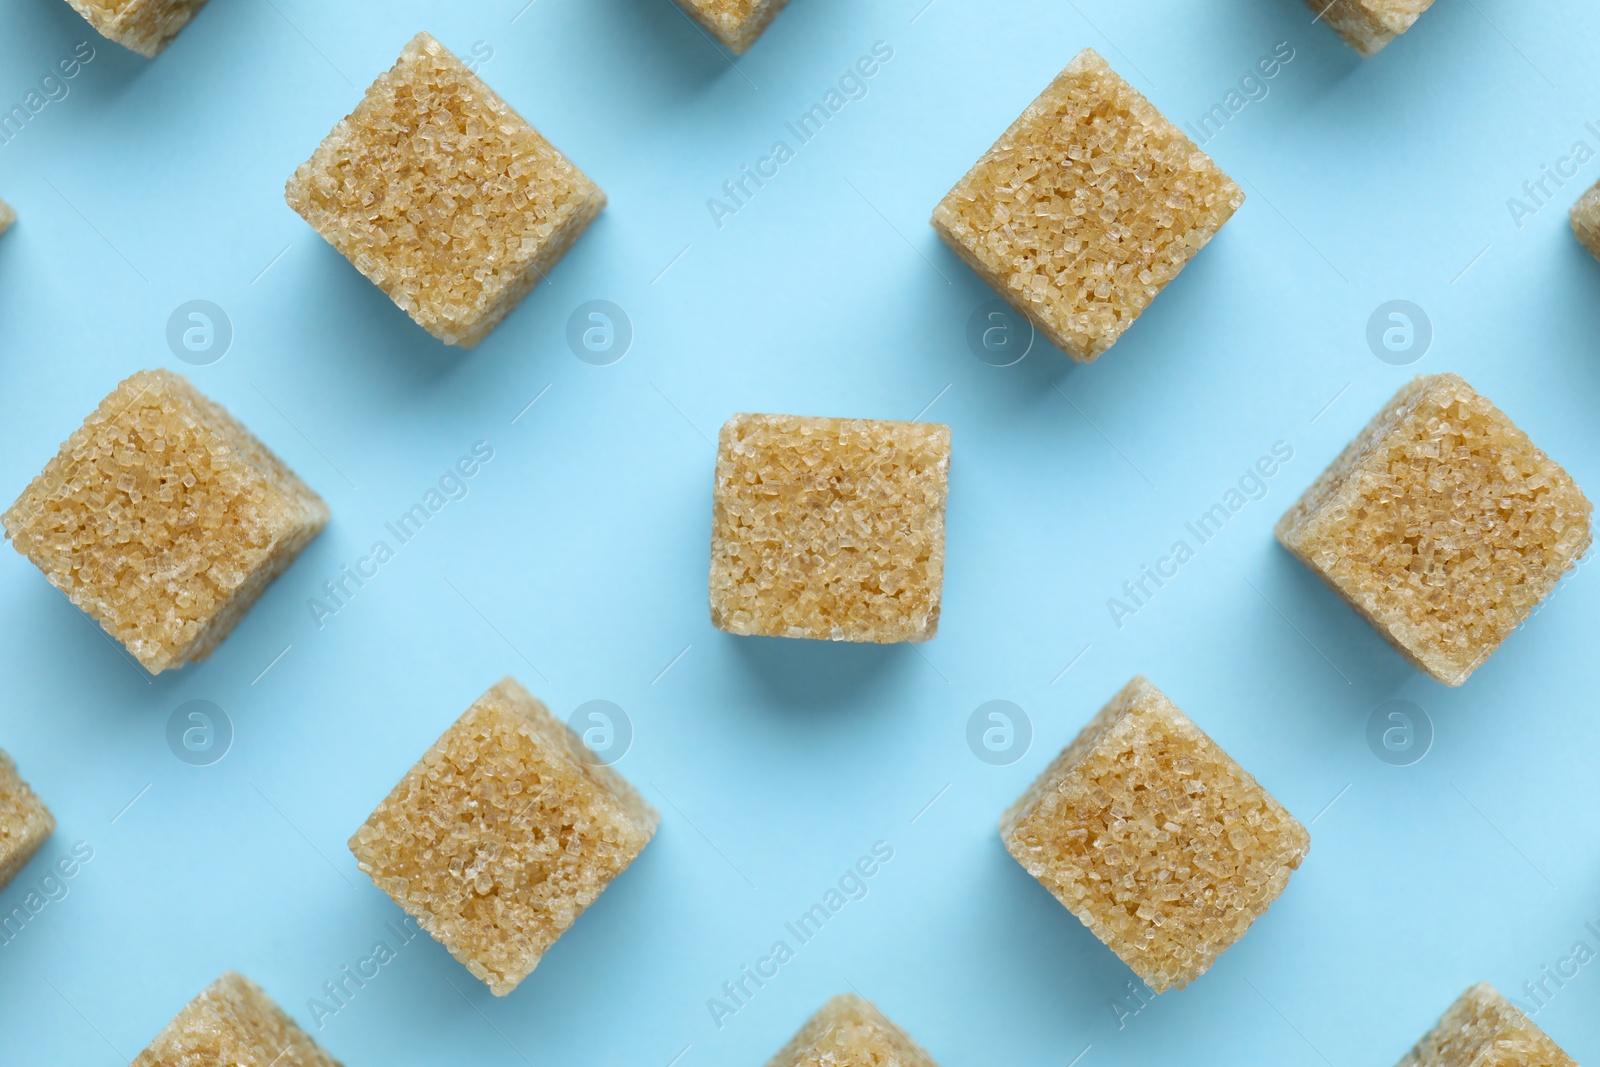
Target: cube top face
[(831, 529), (1585, 217), (1155, 838), (1369, 25), (25, 823), (1483, 1029), (233, 1022), (1442, 524), (143, 26), (163, 519), (502, 834), (737, 23), (1086, 208), (851, 1032), (443, 196)]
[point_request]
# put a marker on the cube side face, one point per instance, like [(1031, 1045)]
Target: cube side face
[(1398, 15), (1355, 23), (1369, 25), (502, 834), (1333, 483), (1483, 1029), (736, 23), (516, 288), (1086, 208), (233, 1022), (1585, 216), (1087, 740), (1156, 839), (143, 26), (850, 1032), (163, 519), (831, 529), (1442, 525), (25, 822), (443, 196)]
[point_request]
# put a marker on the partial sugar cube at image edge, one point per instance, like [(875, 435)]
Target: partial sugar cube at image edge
[(1086, 208), (736, 23), (502, 834), (8, 216), (143, 26), (1442, 525), (850, 1032), (164, 519), (25, 823), (1585, 217), (1369, 25), (1154, 838), (829, 529), (233, 1022), (1483, 1029), (443, 196)]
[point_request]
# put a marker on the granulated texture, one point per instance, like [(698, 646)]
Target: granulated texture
[(1086, 208), (25, 823), (1483, 1029), (145, 26), (1442, 525), (737, 23), (233, 1024), (1368, 25), (829, 528), (1585, 220), (1155, 838), (502, 834), (164, 519), (850, 1032), (443, 195), (7, 217)]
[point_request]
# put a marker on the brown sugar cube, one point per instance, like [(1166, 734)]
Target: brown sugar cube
[(1155, 838), (850, 1032), (164, 519), (829, 528), (444, 196), (7, 217), (1086, 208), (502, 834), (25, 823), (737, 23), (1368, 25), (145, 26), (1483, 1029), (233, 1022), (1442, 525), (1585, 220)]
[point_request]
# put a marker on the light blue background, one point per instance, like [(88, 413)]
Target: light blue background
[(578, 562)]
